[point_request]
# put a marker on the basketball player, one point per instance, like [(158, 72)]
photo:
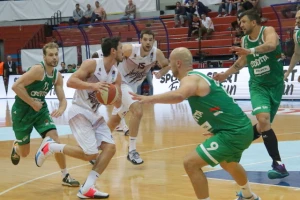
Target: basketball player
[(296, 56), (217, 113), (138, 60), (122, 126), (260, 51), (88, 126), (30, 108)]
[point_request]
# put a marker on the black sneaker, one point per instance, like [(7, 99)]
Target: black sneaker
[(71, 182), (15, 158)]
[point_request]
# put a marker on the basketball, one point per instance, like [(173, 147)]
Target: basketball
[(108, 97)]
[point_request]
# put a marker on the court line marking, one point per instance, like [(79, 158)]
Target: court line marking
[(78, 166)]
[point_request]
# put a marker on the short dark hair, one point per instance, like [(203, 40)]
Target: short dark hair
[(252, 15), (108, 44), (147, 32), (77, 4)]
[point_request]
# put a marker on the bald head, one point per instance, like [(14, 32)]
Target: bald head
[(298, 19), (182, 54)]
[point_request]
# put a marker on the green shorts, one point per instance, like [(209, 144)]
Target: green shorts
[(266, 99), (226, 146), (24, 118)]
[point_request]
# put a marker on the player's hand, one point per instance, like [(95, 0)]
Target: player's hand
[(100, 86), (37, 105), (220, 77), (240, 51), (157, 75), (141, 98), (286, 74), (57, 113)]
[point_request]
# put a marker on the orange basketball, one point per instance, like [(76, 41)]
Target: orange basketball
[(108, 97)]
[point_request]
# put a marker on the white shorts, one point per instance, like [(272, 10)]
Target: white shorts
[(90, 136), (126, 101)]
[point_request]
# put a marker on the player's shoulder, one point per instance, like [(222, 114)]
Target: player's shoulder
[(37, 68)]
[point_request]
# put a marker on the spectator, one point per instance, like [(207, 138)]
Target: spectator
[(290, 10), (207, 27), (130, 11), (191, 8), (99, 13), (180, 15), (232, 5), (54, 40), (201, 8), (194, 26), (223, 5), (71, 69), (63, 68), (86, 16), (284, 60), (149, 79), (77, 14), (10, 68)]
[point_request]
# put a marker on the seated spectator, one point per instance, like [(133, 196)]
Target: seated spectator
[(99, 13), (130, 11), (77, 14), (194, 27), (190, 8), (86, 16), (223, 5), (285, 61), (201, 8), (63, 68), (180, 15), (231, 6), (290, 10), (207, 27), (71, 69)]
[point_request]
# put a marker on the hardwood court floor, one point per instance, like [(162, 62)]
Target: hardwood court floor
[(167, 134)]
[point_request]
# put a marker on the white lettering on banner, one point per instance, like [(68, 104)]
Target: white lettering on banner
[(2, 88), (262, 70), (69, 92), (236, 85)]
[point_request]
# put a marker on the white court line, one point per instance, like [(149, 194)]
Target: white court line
[(29, 181)]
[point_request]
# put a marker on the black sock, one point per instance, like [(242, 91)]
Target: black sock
[(256, 134), (271, 144)]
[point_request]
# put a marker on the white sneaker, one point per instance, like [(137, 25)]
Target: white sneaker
[(119, 128), (92, 193), (43, 152), (126, 130), (134, 157)]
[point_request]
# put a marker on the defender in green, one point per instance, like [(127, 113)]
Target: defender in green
[(261, 52), (219, 116), (30, 108)]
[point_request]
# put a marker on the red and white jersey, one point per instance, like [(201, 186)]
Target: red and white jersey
[(134, 69), (86, 98)]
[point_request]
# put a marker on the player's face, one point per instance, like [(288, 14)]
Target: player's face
[(298, 19), (51, 58), (119, 53), (247, 25), (147, 42)]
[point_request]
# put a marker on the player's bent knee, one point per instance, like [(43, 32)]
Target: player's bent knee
[(137, 109), (109, 148), (190, 165), (263, 118)]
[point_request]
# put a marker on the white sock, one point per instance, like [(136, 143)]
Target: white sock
[(64, 172), (90, 181), (122, 123), (246, 191), (56, 148), (132, 143), (205, 199)]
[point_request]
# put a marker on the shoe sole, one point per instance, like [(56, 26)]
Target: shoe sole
[(276, 175), (126, 133), (80, 196), (133, 162), (13, 152), (39, 150)]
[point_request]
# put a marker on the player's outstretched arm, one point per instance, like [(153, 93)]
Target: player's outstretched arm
[(61, 97), (36, 73), (188, 87), (163, 63), (295, 58)]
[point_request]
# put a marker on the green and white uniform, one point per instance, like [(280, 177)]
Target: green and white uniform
[(24, 117), (220, 115), (266, 77)]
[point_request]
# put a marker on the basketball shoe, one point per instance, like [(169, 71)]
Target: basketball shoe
[(240, 197), (43, 152), (278, 171), (91, 193), (14, 157), (134, 157), (69, 181), (124, 128)]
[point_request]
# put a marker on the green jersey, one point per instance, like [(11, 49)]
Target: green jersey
[(39, 89), (297, 34), (217, 111), (266, 68)]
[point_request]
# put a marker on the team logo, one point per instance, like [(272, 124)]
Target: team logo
[(46, 86)]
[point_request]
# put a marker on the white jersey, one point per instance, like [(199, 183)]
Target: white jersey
[(100, 53), (86, 98), (134, 69)]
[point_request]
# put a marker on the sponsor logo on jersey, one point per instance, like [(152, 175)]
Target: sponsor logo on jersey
[(93, 100), (197, 115), (216, 111)]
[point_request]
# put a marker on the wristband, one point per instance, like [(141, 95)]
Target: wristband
[(252, 50)]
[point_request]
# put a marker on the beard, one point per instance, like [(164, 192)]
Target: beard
[(146, 49), (52, 63)]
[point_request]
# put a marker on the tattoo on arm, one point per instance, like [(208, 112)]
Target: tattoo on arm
[(237, 67)]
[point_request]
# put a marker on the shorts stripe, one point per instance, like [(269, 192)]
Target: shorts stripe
[(208, 155)]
